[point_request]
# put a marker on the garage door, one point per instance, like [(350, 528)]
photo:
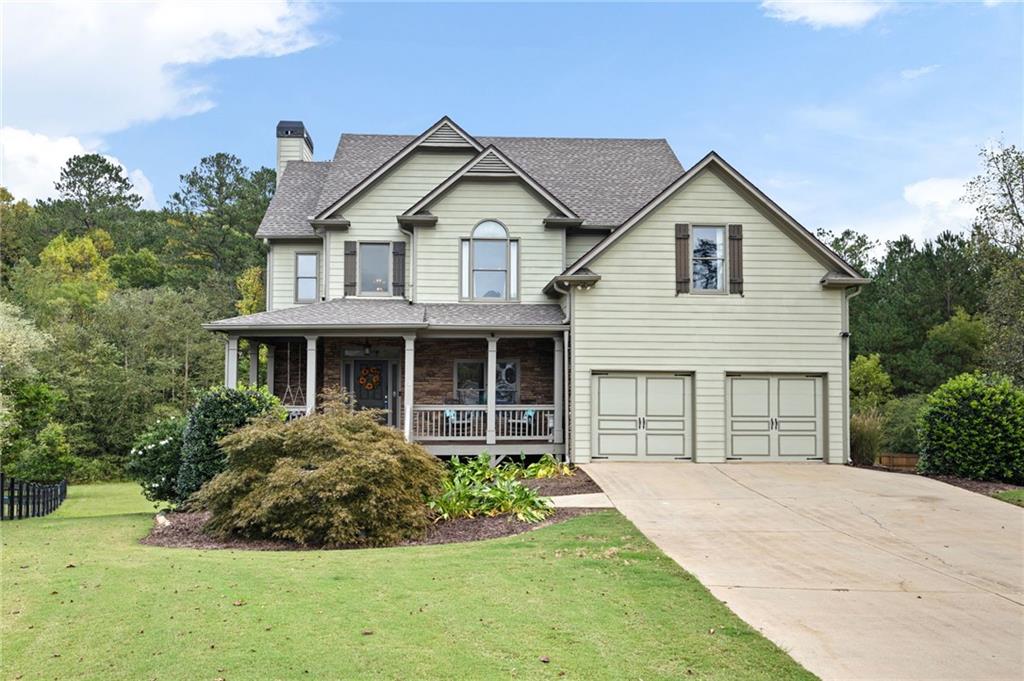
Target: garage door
[(640, 416), (775, 417)]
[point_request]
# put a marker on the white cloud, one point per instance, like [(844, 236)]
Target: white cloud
[(74, 71), (91, 68), (928, 207), (937, 199), (30, 163), (826, 14), (913, 74)]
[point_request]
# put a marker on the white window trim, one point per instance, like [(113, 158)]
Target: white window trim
[(724, 278), (512, 269), (500, 360), (315, 277), (390, 293)]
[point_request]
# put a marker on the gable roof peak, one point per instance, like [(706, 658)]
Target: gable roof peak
[(490, 163), (445, 133)]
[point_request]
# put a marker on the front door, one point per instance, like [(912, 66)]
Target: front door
[(371, 385)]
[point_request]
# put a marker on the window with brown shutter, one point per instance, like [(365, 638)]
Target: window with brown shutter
[(398, 268), (682, 258), (736, 259), (350, 267)]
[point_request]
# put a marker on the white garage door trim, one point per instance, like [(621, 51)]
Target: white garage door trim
[(775, 417), (645, 415)]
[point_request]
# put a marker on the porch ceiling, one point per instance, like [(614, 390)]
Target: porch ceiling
[(348, 314)]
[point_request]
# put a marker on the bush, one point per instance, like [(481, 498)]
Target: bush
[(339, 478), (870, 386), (902, 419), (47, 459), (476, 488), (88, 469), (972, 426), (156, 459), (865, 437), (546, 467), (216, 413)]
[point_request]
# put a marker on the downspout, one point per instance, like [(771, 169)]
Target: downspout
[(844, 334), (410, 287)]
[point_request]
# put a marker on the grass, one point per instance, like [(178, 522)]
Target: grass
[(82, 599), (1012, 496)]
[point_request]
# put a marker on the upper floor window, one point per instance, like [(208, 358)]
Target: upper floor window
[(490, 263), (374, 269), (306, 267), (708, 258)]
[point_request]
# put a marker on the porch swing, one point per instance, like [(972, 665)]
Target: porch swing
[(293, 396)]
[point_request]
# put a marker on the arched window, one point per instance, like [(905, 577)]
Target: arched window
[(490, 263)]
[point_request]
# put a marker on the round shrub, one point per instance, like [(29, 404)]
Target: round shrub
[(156, 458), (902, 419), (216, 413), (972, 426), (338, 478)]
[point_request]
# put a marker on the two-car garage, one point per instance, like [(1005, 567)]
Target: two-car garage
[(768, 417)]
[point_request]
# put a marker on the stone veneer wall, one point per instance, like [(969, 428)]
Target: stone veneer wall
[(434, 379)]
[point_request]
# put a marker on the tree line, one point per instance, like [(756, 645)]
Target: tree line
[(103, 303)]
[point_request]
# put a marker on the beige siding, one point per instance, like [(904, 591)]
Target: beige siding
[(282, 270), (633, 320), (291, 149), (578, 244), (459, 211), (372, 215)]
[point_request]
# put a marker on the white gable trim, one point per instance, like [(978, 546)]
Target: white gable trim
[(445, 128), (795, 230), (490, 163)]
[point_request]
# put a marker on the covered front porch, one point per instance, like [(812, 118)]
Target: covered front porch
[(457, 394)]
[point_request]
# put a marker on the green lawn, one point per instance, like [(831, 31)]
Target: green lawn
[(592, 595), (1013, 496)]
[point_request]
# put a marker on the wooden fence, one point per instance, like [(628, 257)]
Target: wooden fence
[(23, 499)]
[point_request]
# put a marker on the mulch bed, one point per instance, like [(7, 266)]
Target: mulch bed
[(980, 486), (986, 487), (577, 483), (186, 531)]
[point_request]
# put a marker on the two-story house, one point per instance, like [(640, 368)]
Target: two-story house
[(586, 297)]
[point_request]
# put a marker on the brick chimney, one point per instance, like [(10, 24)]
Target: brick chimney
[(293, 144)]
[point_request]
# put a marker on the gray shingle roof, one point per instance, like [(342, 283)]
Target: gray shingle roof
[(603, 180), (347, 312), (295, 200)]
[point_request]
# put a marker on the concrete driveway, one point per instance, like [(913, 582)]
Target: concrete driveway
[(858, 574)]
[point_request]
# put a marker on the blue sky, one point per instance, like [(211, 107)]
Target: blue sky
[(862, 114)]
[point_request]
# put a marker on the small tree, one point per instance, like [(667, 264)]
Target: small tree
[(870, 385), (216, 413)]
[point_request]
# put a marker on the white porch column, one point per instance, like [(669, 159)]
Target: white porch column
[(254, 363), (231, 362), (270, 367), (492, 392), (310, 374), (559, 389), (408, 369)]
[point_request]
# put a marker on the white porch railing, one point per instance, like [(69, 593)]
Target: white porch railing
[(449, 422), (295, 411), (469, 422), (525, 422)]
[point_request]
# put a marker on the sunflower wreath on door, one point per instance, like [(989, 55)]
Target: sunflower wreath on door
[(369, 378)]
